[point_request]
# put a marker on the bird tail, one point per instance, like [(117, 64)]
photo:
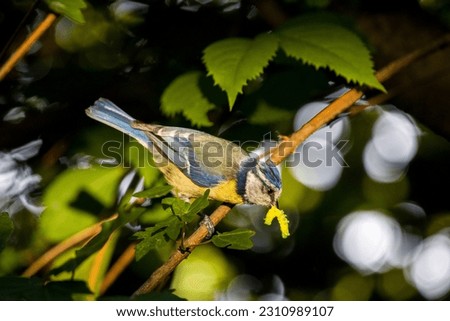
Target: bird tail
[(110, 114)]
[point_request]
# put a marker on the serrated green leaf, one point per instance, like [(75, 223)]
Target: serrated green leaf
[(148, 244), (196, 206), (239, 239), (184, 95), (157, 236), (154, 192), (233, 62), (6, 229), (184, 210), (178, 206), (68, 8), (327, 45)]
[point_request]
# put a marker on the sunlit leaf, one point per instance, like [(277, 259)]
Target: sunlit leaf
[(75, 198), (94, 245), (6, 228), (185, 96), (69, 8), (97, 243), (178, 206), (157, 236), (154, 214), (233, 62), (154, 192), (239, 239), (328, 45), (197, 206)]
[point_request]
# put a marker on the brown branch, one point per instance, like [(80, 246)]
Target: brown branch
[(285, 148), (290, 143), (97, 266), (118, 267), (68, 243), (192, 242), (26, 45), (19, 27)]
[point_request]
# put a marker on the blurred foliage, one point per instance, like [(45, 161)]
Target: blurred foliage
[(17, 288), (6, 229), (223, 67), (68, 8)]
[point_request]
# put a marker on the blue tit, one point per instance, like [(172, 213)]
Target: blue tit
[(193, 161)]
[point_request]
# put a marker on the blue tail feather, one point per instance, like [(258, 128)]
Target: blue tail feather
[(110, 114)]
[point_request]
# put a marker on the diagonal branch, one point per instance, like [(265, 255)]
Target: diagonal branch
[(65, 245), (161, 274), (287, 147), (290, 143), (26, 45)]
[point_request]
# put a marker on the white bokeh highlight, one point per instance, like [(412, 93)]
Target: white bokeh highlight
[(367, 240), (393, 145), (430, 270), (313, 165)]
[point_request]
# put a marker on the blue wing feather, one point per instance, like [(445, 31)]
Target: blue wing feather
[(176, 148), (179, 150)]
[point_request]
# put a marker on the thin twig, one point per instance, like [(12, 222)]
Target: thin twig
[(193, 241), (26, 45), (97, 264), (19, 27), (288, 146), (68, 243), (290, 143), (118, 267)]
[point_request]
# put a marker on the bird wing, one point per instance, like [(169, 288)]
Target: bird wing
[(206, 159)]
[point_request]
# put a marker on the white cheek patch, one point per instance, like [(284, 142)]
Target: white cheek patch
[(255, 191)]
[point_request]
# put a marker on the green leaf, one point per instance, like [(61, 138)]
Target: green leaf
[(239, 239), (169, 229), (185, 96), (94, 245), (178, 206), (98, 242), (36, 289), (156, 236), (184, 210), (75, 198), (233, 62), (198, 205), (154, 192), (68, 8), (328, 45), (6, 229), (259, 116)]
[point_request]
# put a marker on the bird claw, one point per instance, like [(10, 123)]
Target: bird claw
[(206, 221)]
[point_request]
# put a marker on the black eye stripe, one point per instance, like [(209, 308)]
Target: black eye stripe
[(257, 173)]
